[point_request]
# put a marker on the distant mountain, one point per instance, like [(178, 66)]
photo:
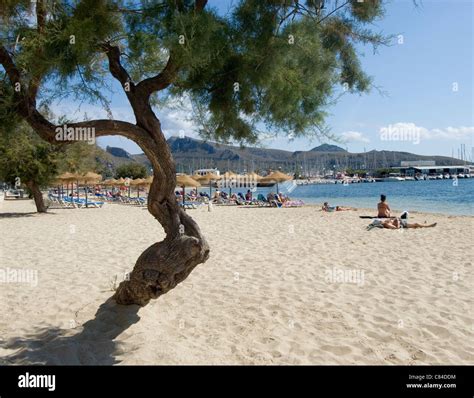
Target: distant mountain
[(191, 154), (118, 152), (328, 148)]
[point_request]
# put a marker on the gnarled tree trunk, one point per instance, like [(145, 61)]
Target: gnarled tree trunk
[(37, 196), (164, 264)]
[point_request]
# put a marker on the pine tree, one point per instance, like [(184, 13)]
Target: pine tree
[(271, 62)]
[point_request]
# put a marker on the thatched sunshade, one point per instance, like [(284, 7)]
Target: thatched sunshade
[(86, 179), (67, 178), (120, 181), (229, 175), (276, 177), (205, 179), (253, 176), (184, 181), (89, 177), (109, 181), (138, 182)]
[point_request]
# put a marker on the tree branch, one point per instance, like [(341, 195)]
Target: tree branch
[(162, 80), (116, 68), (26, 107), (166, 77)]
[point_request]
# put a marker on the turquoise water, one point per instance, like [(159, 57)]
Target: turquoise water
[(435, 196)]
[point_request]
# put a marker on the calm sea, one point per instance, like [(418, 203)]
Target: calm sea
[(436, 196)]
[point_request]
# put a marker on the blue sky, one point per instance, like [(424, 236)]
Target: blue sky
[(426, 74)]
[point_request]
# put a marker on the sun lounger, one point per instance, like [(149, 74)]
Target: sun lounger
[(293, 203), (188, 205)]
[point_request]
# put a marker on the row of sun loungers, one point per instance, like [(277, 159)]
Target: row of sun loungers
[(189, 203), (127, 200), (261, 201), (68, 202)]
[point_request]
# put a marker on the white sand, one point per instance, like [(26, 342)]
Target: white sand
[(264, 297)]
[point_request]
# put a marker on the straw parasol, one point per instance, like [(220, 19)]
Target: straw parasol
[(109, 181), (252, 179), (89, 177), (253, 176), (276, 177), (229, 174), (184, 181), (138, 182), (67, 178), (120, 181)]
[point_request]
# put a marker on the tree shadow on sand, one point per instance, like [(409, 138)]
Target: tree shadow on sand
[(93, 345), (18, 215)]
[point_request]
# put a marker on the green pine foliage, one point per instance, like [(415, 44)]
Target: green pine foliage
[(25, 157), (277, 63)]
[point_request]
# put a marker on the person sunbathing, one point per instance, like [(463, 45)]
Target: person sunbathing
[(274, 199), (383, 208), (283, 198), (397, 223), (326, 207)]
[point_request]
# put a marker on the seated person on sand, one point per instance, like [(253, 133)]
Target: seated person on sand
[(326, 207), (383, 208), (396, 223), (283, 198), (273, 199), (217, 194), (248, 195)]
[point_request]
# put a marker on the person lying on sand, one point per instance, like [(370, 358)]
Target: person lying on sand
[(397, 223), (383, 208), (326, 207)]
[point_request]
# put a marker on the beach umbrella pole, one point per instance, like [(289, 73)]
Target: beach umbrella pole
[(184, 193), (209, 202)]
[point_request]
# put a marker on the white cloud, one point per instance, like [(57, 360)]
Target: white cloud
[(456, 133), (401, 131), (354, 136)]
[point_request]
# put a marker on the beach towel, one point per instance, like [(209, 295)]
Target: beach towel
[(376, 223)]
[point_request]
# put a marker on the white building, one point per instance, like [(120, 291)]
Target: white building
[(203, 172)]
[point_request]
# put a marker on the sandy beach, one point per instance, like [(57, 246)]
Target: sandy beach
[(282, 286)]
